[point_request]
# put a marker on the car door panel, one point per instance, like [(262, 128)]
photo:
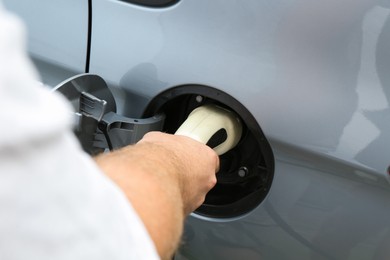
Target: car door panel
[(304, 70)]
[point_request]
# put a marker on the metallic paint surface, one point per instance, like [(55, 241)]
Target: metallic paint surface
[(315, 76)]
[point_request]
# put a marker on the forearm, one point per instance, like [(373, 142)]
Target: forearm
[(165, 177), (147, 175)]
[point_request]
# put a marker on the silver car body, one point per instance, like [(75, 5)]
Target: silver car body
[(314, 74)]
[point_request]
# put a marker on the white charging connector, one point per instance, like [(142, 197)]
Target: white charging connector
[(205, 121)]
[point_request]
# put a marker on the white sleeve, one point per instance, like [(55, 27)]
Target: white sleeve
[(54, 201)]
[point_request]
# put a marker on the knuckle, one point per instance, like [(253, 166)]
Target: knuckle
[(213, 182)]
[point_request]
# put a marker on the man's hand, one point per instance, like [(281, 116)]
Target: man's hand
[(165, 177), (195, 162)]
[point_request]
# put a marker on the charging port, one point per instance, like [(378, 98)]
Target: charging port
[(246, 171)]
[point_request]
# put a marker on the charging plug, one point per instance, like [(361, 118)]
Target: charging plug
[(212, 124)]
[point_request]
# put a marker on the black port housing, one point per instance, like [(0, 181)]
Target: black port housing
[(246, 171)]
